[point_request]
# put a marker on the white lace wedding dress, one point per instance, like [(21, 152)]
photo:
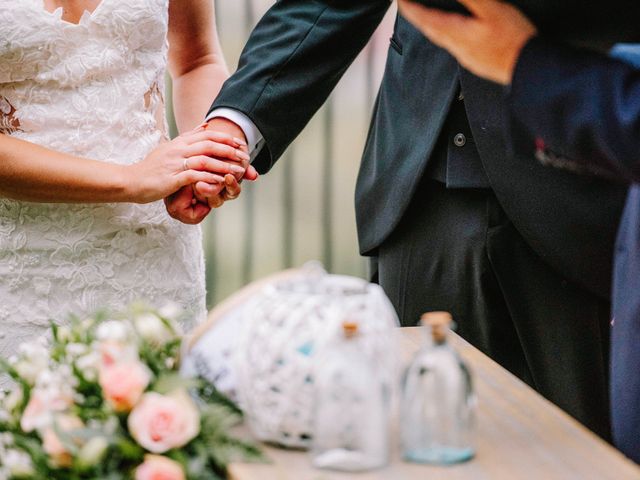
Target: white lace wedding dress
[(92, 89)]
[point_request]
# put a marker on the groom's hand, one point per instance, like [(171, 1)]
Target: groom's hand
[(184, 206), (207, 193)]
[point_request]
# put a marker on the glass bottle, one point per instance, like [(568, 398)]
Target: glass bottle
[(438, 402), (351, 411)]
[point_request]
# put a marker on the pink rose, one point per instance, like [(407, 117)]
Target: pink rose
[(53, 446), (162, 422), (123, 384), (156, 467)]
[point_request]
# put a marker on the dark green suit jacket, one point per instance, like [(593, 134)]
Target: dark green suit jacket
[(297, 54)]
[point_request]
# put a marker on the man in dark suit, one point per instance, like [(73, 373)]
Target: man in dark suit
[(453, 224), (581, 111)]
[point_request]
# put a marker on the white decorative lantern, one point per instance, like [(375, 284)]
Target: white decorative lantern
[(260, 350)]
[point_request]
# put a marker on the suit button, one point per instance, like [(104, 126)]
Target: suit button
[(461, 96), (460, 140)]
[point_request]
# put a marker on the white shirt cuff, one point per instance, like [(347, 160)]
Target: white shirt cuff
[(255, 140)]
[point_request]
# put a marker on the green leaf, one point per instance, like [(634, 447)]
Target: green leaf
[(7, 368), (210, 394), (170, 382), (54, 330), (129, 449), (32, 446), (222, 448)]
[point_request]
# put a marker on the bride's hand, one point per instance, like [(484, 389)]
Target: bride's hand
[(184, 161)]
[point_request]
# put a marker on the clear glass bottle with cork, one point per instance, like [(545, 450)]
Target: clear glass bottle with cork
[(438, 401), (351, 417)]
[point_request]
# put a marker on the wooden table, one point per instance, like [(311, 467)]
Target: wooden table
[(520, 436)]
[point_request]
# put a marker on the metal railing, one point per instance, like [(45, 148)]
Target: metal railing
[(303, 209)]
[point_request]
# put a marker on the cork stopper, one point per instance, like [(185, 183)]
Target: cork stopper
[(439, 323), (349, 328)]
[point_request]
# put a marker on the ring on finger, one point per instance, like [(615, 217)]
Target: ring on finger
[(185, 164)]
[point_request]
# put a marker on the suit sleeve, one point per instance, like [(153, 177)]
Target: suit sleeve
[(294, 58), (582, 107)]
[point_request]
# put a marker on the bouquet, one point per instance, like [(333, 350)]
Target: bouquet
[(102, 398)]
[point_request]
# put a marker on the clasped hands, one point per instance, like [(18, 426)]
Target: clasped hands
[(488, 43), (192, 203)]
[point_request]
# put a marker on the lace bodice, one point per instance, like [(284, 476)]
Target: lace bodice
[(92, 89), (100, 80)]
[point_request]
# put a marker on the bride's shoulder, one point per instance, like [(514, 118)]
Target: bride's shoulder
[(23, 23), (21, 33), (15, 14)]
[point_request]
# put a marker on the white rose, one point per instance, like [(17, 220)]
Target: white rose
[(36, 348), (93, 452), (152, 329), (114, 331), (13, 400), (171, 311), (75, 350), (6, 439), (28, 371), (89, 365), (87, 323), (18, 464), (64, 333), (33, 358), (55, 382), (4, 417)]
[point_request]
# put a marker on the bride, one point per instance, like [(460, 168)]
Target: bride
[(85, 160)]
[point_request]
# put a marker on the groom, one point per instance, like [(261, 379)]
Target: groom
[(521, 255)]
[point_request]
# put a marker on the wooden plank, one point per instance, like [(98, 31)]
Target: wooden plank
[(520, 436)]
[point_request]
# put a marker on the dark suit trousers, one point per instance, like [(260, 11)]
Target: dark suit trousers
[(455, 250)]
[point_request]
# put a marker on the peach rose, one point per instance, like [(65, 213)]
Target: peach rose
[(36, 415), (162, 422), (39, 412), (123, 384), (53, 446), (156, 467)]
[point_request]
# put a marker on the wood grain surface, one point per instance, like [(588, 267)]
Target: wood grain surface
[(520, 436)]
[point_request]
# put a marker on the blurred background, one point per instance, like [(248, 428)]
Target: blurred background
[(303, 209)]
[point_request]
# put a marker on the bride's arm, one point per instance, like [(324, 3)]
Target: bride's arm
[(33, 173), (196, 61), (198, 70)]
